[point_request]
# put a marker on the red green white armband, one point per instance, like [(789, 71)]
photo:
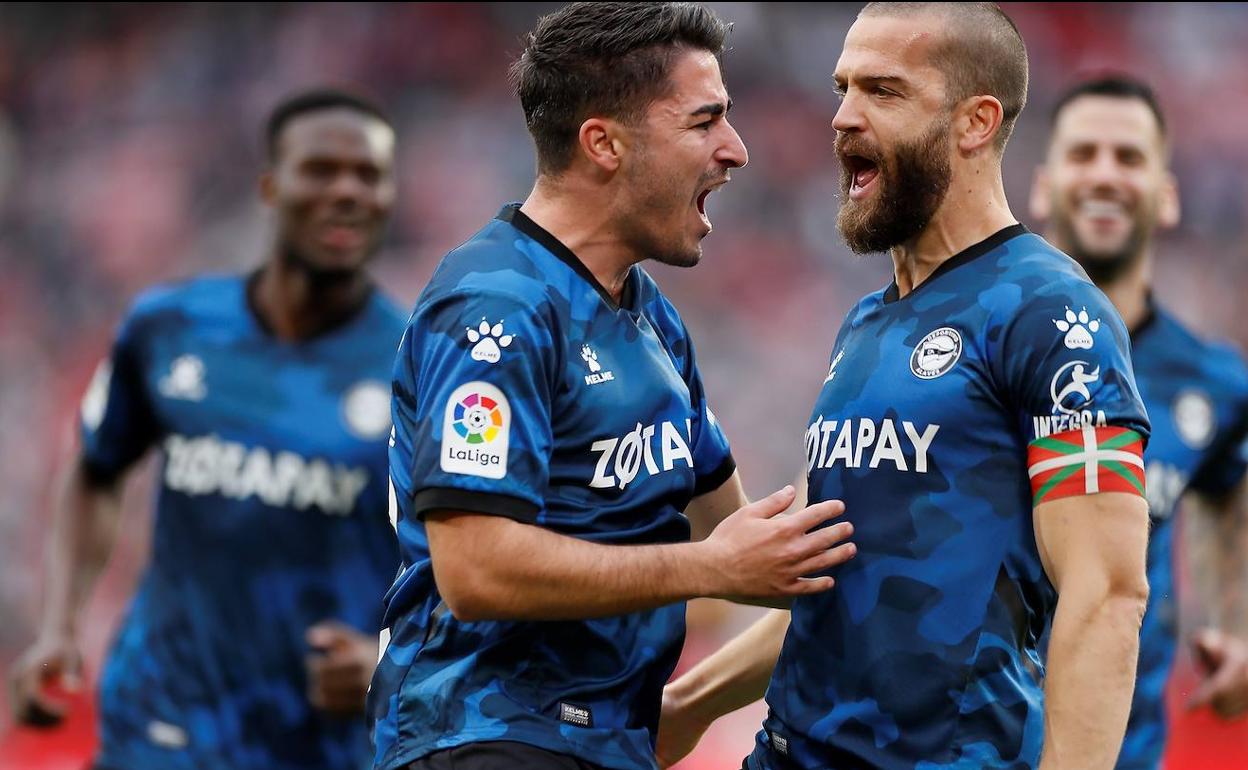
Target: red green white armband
[(1086, 461)]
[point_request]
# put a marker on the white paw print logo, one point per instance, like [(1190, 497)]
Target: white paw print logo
[(1079, 328), (591, 358), (489, 341)]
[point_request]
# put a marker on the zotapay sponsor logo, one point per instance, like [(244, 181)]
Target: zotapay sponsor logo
[(847, 442)]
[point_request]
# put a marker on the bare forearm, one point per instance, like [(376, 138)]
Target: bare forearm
[(1216, 535), (1090, 680), (537, 575), (734, 676), (84, 530)]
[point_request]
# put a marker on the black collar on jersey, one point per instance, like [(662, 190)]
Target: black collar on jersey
[(1150, 318), (892, 293), (249, 299), (512, 215)]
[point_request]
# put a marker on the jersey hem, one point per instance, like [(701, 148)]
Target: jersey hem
[(601, 756)]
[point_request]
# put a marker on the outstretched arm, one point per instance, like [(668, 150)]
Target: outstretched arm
[(1215, 532), (733, 677), (84, 531), (489, 567)]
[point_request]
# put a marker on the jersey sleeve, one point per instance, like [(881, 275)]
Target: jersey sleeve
[(116, 420), (1067, 372), (1226, 461), (472, 406)]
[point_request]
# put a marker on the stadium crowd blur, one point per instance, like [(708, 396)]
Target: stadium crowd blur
[(129, 148)]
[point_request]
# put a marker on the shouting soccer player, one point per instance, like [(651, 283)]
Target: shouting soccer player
[(981, 423), (252, 637), (552, 433), (1104, 189)]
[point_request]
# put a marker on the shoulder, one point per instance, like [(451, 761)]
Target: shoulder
[(387, 313), (1215, 362), (181, 302), (498, 259)]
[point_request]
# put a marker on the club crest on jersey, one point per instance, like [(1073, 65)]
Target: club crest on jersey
[(185, 380), (1079, 328), (1194, 419), (936, 353), (366, 409), (488, 341), (476, 431), (596, 374)]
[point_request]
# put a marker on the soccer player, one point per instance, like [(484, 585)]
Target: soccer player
[(1103, 190), (981, 423), (251, 639), (553, 446)]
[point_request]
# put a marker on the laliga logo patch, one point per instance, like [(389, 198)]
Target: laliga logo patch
[(1069, 388), (476, 431), (95, 402), (935, 355), (1194, 418), (489, 341)]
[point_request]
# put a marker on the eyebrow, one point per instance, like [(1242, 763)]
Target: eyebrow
[(714, 110), (866, 81)]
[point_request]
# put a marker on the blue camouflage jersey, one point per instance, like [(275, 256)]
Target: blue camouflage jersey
[(1197, 397), (924, 655), (522, 390), (270, 517)]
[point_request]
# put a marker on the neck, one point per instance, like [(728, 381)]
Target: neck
[(577, 213), (1129, 291), (295, 304), (970, 212)]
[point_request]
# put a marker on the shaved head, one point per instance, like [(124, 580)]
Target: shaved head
[(981, 54)]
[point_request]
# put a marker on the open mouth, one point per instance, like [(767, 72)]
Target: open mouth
[(1103, 211), (862, 172)]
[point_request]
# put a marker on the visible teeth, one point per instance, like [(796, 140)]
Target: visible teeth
[(1102, 208)]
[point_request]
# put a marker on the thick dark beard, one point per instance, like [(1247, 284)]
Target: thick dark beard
[(1103, 268), (912, 187)]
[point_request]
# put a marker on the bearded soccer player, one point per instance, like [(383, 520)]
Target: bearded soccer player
[(981, 423), (252, 637), (1104, 189), (553, 446)]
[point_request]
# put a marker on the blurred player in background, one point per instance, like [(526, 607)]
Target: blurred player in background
[(552, 432), (1104, 189), (252, 636), (986, 443)]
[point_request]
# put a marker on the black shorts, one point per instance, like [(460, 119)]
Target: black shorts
[(499, 755)]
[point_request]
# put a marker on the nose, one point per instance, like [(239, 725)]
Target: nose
[(732, 152), (1103, 168), (347, 187), (849, 116)]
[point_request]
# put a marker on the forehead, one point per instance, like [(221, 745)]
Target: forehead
[(896, 47), (695, 80), (1112, 119), (336, 132)]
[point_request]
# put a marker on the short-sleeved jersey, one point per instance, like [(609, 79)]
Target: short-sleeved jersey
[(522, 390), (270, 517), (924, 654), (1197, 397)]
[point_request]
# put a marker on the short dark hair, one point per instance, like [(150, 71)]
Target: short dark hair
[(1117, 85), (610, 59), (982, 54), (315, 100)]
